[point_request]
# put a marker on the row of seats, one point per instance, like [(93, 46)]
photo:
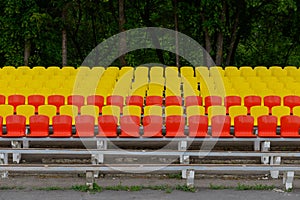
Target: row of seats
[(152, 126), (132, 110)]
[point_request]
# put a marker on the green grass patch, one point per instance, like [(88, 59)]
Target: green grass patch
[(174, 176), (185, 188), (219, 187), (52, 188), (12, 188), (85, 188), (254, 187)]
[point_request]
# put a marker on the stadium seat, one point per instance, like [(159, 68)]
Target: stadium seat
[(267, 126), (135, 100), (84, 125), (96, 100), (90, 110), (153, 110), (291, 101), (62, 126), (69, 110), (39, 126), (198, 125), (212, 101), (154, 100), (252, 100), (56, 100), (112, 110), (215, 110), (232, 101), (26, 111), (115, 100), (174, 110), (290, 126), (152, 126), (107, 126), (243, 126), (6, 110), (236, 111), (2, 99), (195, 110), (271, 101), (220, 126), (175, 126), (193, 101), (173, 101), (48, 110), (15, 126), (16, 100), (77, 100), (130, 126), (36, 101), (257, 111), (280, 111), (132, 110)]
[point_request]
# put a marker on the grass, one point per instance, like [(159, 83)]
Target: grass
[(174, 176), (242, 187), (11, 188), (185, 188), (51, 188)]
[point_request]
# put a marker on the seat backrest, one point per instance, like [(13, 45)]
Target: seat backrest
[(243, 126), (272, 100), (212, 101), (153, 110), (15, 126), (195, 110), (252, 100), (216, 110), (232, 101), (36, 100), (56, 100), (173, 101), (132, 110), (39, 126), (112, 110), (280, 111), (77, 100), (70, 110), (154, 100), (135, 100), (6, 110), (96, 100), (90, 110), (291, 101), (84, 125), (174, 110), (267, 125), (198, 125), (290, 126), (16, 100), (193, 101), (257, 111), (107, 126), (220, 126), (2, 99), (236, 111), (115, 100), (48, 110), (25, 110), (62, 126)]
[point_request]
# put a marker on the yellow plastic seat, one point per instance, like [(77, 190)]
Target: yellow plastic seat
[(153, 110), (256, 111), (48, 110), (290, 70), (280, 111), (132, 110), (187, 71), (6, 110), (262, 71), (173, 110), (231, 71), (247, 71), (236, 111), (194, 110), (296, 111), (25, 110)]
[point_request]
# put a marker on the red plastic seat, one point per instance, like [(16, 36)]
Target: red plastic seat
[(173, 101), (2, 99), (154, 100), (115, 100), (36, 101), (39, 126), (271, 101), (290, 126), (243, 126), (77, 100), (107, 125), (267, 125), (220, 126), (15, 100), (62, 126), (1, 126), (193, 101), (232, 101), (56, 100), (130, 126), (291, 101), (198, 125), (96, 100), (252, 100), (152, 126), (175, 126), (15, 126), (135, 100), (212, 101), (84, 125)]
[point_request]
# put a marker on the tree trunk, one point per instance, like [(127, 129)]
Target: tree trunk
[(27, 49), (233, 40), (220, 38), (64, 39), (176, 33), (122, 29)]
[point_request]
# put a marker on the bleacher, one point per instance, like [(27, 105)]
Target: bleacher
[(189, 104)]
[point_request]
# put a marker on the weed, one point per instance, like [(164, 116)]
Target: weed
[(185, 188)]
